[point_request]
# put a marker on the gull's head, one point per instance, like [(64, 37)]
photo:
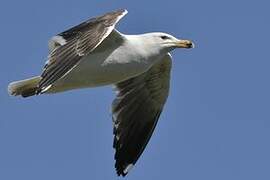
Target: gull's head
[(167, 42)]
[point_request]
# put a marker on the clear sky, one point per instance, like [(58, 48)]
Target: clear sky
[(216, 123)]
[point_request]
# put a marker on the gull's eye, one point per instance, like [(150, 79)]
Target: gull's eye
[(164, 37)]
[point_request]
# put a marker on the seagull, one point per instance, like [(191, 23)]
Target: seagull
[(94, 54)]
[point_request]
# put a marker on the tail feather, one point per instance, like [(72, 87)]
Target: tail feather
[(24, 88)]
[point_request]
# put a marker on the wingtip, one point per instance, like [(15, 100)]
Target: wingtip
[(123, 171), (122, 11), (125, 11), (128, 168)]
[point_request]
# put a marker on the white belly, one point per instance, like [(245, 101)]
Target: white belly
[(99, 69)]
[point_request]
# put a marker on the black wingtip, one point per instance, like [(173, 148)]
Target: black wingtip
[(119, 170), (122, 170), (121, 173)]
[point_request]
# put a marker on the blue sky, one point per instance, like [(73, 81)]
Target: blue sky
[(216, 123)]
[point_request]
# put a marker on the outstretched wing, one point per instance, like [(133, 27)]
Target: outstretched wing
[(68, 48), (136, 110)]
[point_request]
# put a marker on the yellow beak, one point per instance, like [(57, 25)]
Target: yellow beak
[(184, 44)]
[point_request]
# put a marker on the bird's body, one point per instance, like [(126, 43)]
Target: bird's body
[(93, 54), (115, 60)]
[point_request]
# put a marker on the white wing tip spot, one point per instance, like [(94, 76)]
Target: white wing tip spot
[(128, 168), (59, 39), (56, 41), (125, 12)]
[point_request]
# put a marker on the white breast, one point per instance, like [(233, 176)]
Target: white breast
[(103, 68)]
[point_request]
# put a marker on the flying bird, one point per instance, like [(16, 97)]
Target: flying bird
[(94, 54)]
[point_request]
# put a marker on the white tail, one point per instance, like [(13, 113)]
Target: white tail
[(25, 87)]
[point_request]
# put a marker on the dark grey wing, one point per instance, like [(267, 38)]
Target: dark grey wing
[(68, 48), (136, 110)]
